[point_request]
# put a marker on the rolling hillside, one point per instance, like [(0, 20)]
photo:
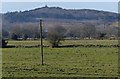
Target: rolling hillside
[(59, 13)]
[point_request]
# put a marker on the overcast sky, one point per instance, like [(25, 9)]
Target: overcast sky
[(59, 0), (22, 6)]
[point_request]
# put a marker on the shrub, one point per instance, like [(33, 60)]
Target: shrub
[(55, 35), (14, 36), (4, 43)]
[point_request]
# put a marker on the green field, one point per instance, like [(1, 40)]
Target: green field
[(66, 42), (61, 62)]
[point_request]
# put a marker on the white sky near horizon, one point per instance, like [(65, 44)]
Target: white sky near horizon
[(15, 5), (60, 0)]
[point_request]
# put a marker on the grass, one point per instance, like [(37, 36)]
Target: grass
[(92, 42), (66, 42), (60, 62)]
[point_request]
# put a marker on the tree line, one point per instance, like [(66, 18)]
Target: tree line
[(55, 34), (26, 31)]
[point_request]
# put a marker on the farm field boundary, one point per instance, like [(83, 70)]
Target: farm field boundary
[(67, 46), (59, 78)]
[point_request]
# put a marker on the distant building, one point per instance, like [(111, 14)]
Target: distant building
[(46, 6)]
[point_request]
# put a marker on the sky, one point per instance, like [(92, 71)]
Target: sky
[(59, 0), (22, 6)]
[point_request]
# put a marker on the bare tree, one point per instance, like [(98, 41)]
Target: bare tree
[(55, 35), (89, 31)]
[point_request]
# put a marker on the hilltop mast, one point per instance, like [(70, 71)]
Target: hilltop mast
[(46, 6)]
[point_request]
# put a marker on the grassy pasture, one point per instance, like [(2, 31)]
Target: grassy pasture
[(61, 62), (66, 42)]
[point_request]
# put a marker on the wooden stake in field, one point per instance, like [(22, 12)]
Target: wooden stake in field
[(41, 42)]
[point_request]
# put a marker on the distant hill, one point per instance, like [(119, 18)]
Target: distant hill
[(59, 13)]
